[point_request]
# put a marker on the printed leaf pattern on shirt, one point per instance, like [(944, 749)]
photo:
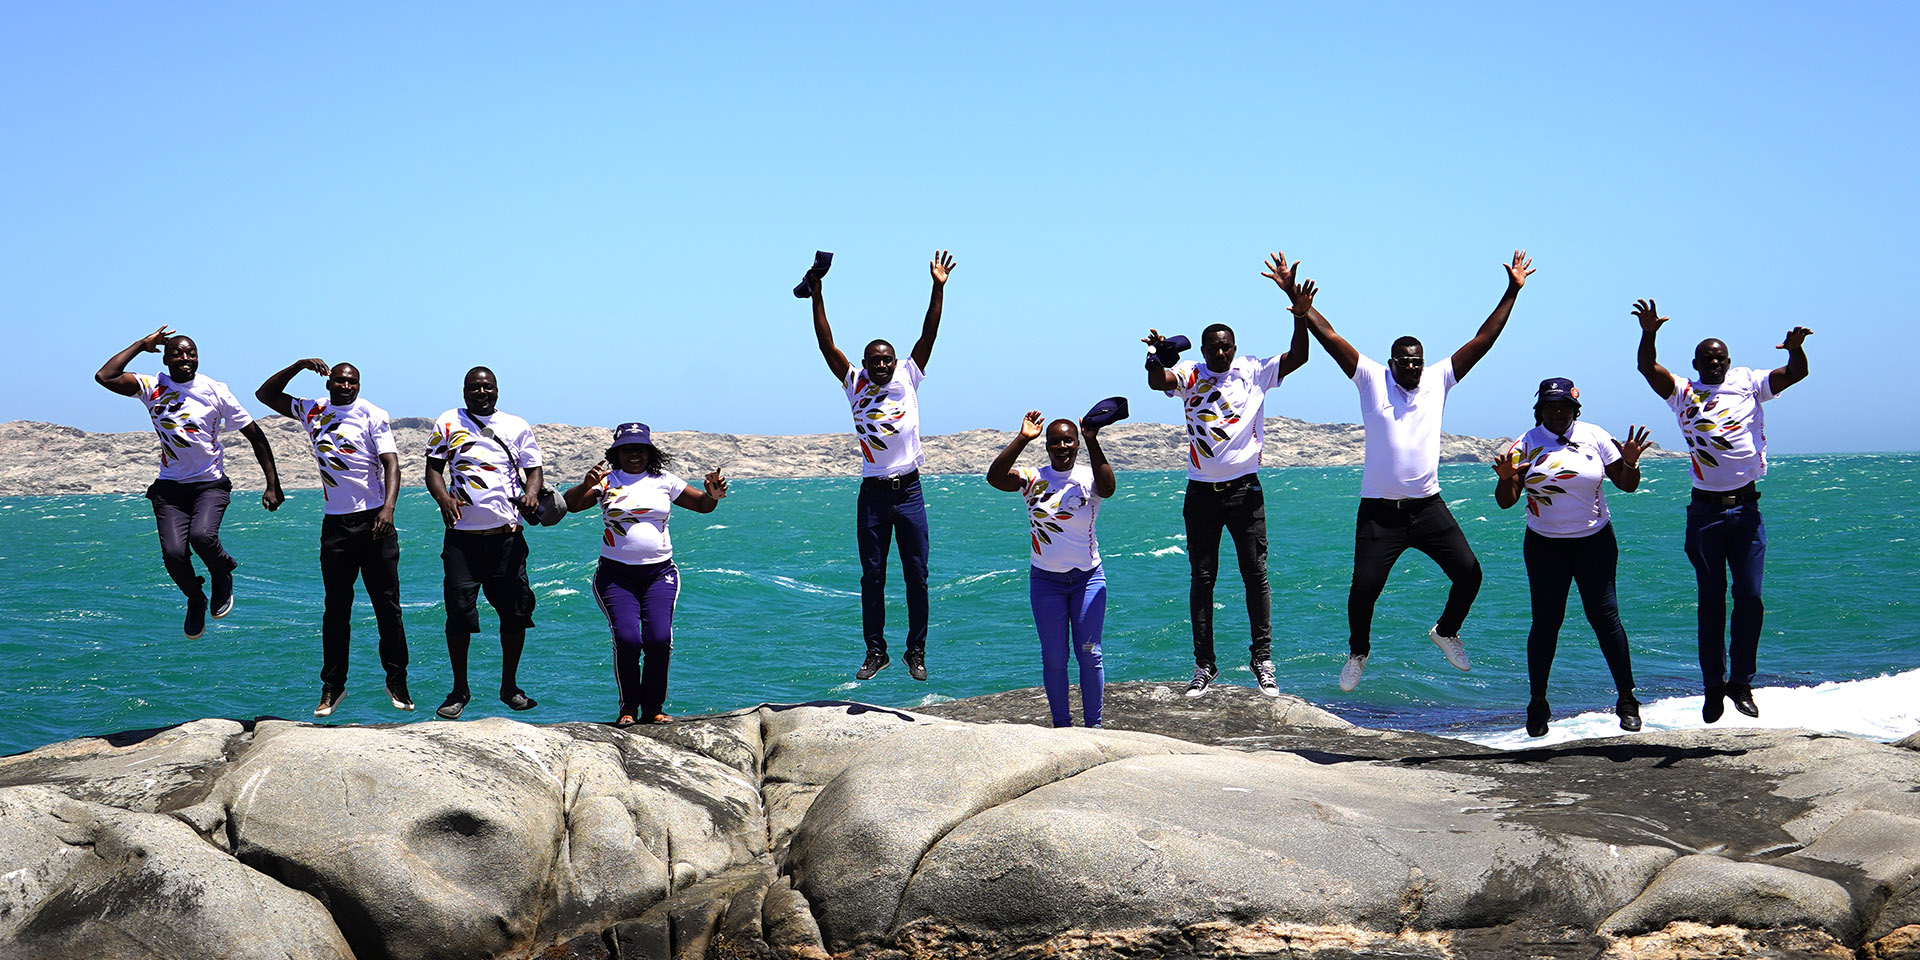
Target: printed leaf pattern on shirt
[(1707, 430), (170, 422), (1545, 472), (323, 429), (1042, 512), (873, 416), (1208, 413), (451, 445), (617, 520)]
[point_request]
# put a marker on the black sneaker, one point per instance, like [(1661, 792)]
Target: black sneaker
[(222, 594), (196, 617), (330, 697), (1713, 705), (1742, 697), (1628, 710), (1263, 675), (1538, 713), (456, 702), (876, 662), (1202, 678), (916, 664), (397, 692)]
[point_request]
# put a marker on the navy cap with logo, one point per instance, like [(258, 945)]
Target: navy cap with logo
[(628, 434), (1557, 388)]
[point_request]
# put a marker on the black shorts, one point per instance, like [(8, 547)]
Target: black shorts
[(496, 563)]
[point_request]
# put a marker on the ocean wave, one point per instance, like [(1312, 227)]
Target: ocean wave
[(786, 582), (1884, 708)]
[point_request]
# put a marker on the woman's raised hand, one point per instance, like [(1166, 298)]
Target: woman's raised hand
[(1031, 425), (1636, 444), (716, 484), (595, 474)]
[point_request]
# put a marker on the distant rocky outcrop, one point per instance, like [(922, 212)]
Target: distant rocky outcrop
[(1233, 825), (45, 458)]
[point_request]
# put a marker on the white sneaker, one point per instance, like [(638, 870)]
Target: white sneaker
[(1451, 646), (1350, 671)]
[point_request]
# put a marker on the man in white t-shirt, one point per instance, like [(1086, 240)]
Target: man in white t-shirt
[(483, 469), (1725, 429), (1400, 504), (1224, 397), (190, 498), (359, 466), (885, 399)]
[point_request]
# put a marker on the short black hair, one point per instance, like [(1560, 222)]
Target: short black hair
[(1213, 328), (875, 343), (1408, 342)]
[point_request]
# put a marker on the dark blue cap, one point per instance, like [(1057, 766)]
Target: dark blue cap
[(1557, 388), (628, 434), (1110, 410), (1170, 349)]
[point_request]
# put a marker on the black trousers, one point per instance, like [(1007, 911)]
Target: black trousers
[(1555, 563), (1239, 507), (349, 552), (189, 515), (1385, 529)]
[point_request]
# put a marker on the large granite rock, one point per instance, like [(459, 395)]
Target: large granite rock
[(1226, 826)]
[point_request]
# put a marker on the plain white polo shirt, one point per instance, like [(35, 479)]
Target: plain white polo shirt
[(1403, 430)]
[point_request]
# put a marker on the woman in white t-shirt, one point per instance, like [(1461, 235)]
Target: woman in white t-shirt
[(1066, 584), (1558, 466), (636, 583)]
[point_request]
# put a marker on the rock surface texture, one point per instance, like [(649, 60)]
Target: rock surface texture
[(45, 458), (1232, 825)]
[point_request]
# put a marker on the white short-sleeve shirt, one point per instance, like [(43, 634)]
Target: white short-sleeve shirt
[(188, 418), (886, 419), (347, 444), (480, 472), (1061, 508), (1403, 430), (1226, 415), (1563, 481), (635, 508), (1725, 427)]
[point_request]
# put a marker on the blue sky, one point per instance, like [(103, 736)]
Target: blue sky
[(608, 204)]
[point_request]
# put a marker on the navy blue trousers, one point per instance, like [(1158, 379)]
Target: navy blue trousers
[(888, 510), (1720, 540), (638, 599)]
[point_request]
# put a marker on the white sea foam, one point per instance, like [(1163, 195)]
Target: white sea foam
[(963, 581), (1165, 552), (1884, 708)]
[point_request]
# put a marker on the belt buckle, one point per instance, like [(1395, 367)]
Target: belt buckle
[(1729, 499), (1221, 486)]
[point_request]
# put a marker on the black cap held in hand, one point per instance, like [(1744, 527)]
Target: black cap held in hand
[(1170, 349), (1110, 410), (821, 261)]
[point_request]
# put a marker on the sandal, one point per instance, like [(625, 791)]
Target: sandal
[(626, 720)]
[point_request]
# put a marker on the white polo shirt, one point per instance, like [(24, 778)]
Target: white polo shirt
[(1403, 430), (1563, 481), (1725, 427)]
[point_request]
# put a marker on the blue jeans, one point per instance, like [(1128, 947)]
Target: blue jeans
[(887, 506), (1070, 603), (1719, 539)]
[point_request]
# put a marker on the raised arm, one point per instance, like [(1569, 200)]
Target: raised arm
[(1658, 377), (113, 374), (836, 361), (1796, 368), (1000, 474), (1507, 479), (1470, 352), (1158, 376), (263, 452), (940, 266), (1287, 278), (1103, 480), (1296, 355), (713, 490), (273, 393), (1625, 472), (587, 492)]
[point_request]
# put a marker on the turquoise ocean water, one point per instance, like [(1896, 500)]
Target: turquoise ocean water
[(90, 637)]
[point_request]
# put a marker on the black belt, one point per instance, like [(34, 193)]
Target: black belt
[(1748, 494), (488, 532), (894, 483), (1225, 485), (1410, 503)]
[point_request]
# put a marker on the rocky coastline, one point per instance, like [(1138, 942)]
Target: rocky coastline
[(1232, 825), (46, 459)]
